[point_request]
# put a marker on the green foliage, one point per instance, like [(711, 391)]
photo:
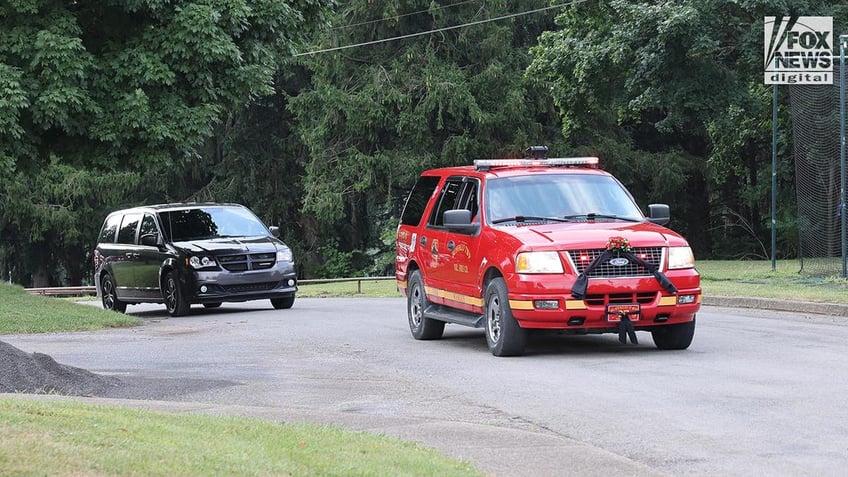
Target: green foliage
[(99, 99), (374, 117), (677, 87), (138, 84), (50, 220)]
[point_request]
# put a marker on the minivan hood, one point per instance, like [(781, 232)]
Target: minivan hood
[(255, 244), (592, 235)]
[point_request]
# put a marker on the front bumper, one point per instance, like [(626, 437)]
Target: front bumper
[(224, 286), (543, 302)]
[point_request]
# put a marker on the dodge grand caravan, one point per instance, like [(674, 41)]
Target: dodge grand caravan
[(181, 254), (541, 244)]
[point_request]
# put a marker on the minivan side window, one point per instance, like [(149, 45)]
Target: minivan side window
[(417, 201), (126, 234), (110, 229), (148, 227)]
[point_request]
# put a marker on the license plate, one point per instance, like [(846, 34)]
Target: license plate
[(633, 311)]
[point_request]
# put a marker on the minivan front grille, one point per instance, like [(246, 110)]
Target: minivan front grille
[(250, 287), (247, 261), (582, 258)]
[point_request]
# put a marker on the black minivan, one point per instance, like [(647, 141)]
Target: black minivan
[(187, 253)]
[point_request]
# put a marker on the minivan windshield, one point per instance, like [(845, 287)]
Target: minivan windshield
[(211, 222), (559, 197)]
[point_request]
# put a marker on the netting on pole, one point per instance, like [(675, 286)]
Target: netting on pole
[(816, 138)]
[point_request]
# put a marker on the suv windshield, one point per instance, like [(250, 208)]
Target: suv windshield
[(211, 222), (562, 197)]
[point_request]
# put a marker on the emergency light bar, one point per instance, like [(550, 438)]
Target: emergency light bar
[(486, 164)]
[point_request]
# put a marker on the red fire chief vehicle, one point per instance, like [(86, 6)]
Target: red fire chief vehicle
[(513, 245)]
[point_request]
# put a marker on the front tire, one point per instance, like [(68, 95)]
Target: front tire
[(110, 295), (503, 335), (175, 302), (677, 336), (421, 327), (283, 303)]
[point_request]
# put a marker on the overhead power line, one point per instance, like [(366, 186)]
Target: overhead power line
[(437, 30)]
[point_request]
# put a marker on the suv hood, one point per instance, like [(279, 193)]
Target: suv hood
[(593, 235), (257, 244)]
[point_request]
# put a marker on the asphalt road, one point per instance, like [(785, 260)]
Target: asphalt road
[(757, 393)]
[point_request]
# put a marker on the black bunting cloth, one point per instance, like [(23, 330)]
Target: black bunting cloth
[(625, 328), (578, 290)]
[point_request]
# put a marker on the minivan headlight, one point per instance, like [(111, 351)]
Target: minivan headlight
[(680, 257), (285, 255), (201, 261), (538, 262)]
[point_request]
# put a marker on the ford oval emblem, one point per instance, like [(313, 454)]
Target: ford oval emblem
[(619, 261)]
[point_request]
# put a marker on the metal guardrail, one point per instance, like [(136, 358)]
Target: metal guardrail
[(62, 291), (90, 290)]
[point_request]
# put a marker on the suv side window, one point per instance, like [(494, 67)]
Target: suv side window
[(458, 193), (417, 201), (447, 201), (129, 226), (110, 229)]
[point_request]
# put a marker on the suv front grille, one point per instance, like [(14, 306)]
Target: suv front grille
[(245, 262), (643, 298), (582, 258)]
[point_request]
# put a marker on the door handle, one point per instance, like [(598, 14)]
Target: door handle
[(423, 240), (451, 246)]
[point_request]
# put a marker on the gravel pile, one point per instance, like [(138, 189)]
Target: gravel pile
[(38, 373)]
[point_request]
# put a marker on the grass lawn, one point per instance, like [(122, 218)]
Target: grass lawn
[(67, 438), (756, 279)]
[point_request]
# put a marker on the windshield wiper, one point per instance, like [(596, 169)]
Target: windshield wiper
[(593, 216), (529, 218)]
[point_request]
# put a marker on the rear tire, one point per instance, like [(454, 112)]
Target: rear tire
[(421, 327), (677, 336), (503, 335), (110, 295), (173, 295), (283, 303)]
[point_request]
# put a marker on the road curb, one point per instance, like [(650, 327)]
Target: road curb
[(816, 308)]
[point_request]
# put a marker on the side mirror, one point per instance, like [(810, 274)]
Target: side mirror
[(150, 240), (659, 214), (275, 231), (459, 220)]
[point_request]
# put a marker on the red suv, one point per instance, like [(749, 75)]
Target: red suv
[(511, 245)]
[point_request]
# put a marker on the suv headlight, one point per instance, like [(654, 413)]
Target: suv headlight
[(201, 261), (285, 255), (538, 262), (680, 257)]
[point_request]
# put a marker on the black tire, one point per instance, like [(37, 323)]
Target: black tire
[(110, 295), (212, 305), (503, 335), (421, 327), (283, 303), (677, 336), (175, 302)]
